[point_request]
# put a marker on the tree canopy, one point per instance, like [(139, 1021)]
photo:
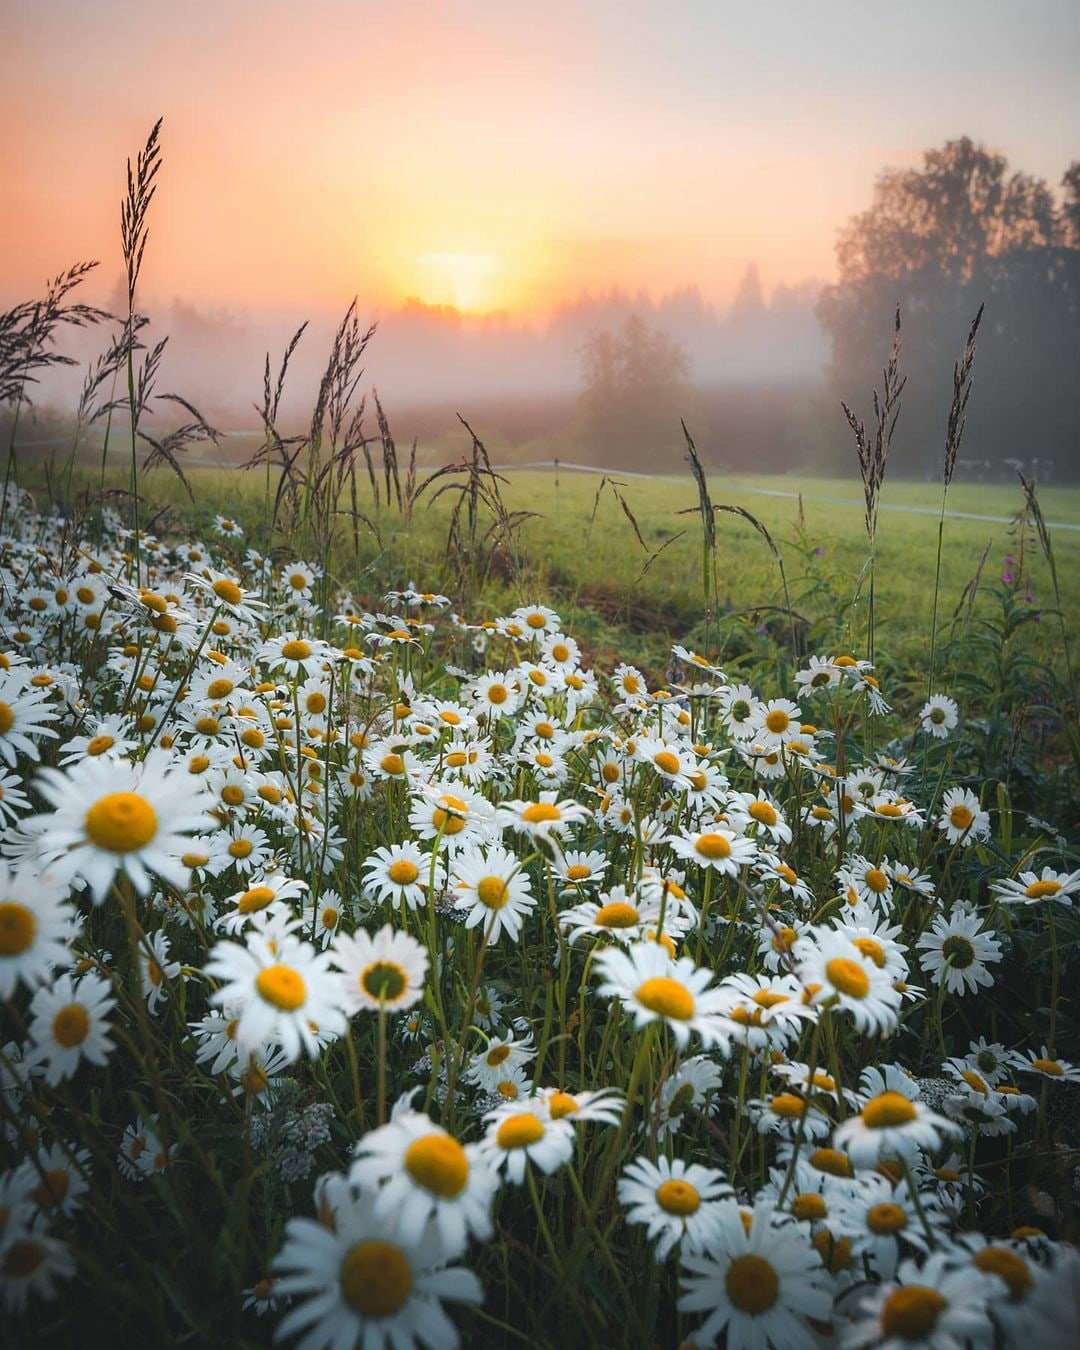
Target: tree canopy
[(940, 240)]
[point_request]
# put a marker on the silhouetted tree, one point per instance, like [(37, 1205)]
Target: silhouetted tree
[(636, 389), (941, 240)]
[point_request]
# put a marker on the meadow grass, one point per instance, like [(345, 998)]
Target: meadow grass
[(583, 551)]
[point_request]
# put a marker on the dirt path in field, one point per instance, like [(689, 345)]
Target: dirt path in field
[(776, 492)]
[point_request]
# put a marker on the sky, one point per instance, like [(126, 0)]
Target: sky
[(495, 154)]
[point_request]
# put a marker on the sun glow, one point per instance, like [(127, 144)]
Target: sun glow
[(468, 281)]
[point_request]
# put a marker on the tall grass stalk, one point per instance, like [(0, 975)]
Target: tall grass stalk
[(873, 453), (134, 233), (954, 434)]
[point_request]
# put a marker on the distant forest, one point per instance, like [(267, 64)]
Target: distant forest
[(607, 378)]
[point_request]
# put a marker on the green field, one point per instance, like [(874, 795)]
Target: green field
[(626, 599)]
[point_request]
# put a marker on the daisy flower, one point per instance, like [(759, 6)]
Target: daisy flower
[(879, 1219), (678, 1201), (381, 973), (228, 596), (751, 809), (542, 818), (418, 1172), (13, 800), (400, 873), (758, 1283), (491, 889), (278, 986), (962, 818), (496, 694), (939, 715), (111, 817), (23, 718), (292, 653), (617, 915), (719, 848), (31, 1265), (891, 1122), (694, 1086), (503, 1053), (259, 896), (36, 925), (605, 1105), (524, 1131), (933, 1307), (656, 988), (777, 722), (957, 952), (69, 1024), (155, 969), (455, 814), (836, 972), (142, 1153), (62, 1179), (1047, 1066), (364, 1283), (1029, 888), (578, 868)]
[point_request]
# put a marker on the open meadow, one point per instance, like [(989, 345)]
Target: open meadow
[(454, 903)]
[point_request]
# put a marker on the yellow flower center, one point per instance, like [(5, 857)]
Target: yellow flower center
[(241, 848), (220, 688), (121, 822), (384, 980), (872, 950), (713, 846), (492, 892), (809, 1205), (667, 997), (763, 813), (788, 1106), (376, 1279), (831, 1161), (228, 591), (1050, 1066), (972, 1079), (616, 915), (71, 1026), (889, 809), (22, 1258), (884, 1220), (53, 1187), (785, 940), (848, 976), (888, 1109), (450, 815), (519, 1131), (666, 762), (958, 951), (282, 987), (456, 759), (232, 794), (1039, 889), (752, 1284), (538, 812), (960, 817), (296, 650), (403, 872), (1009, 1266), (911, 1312), (392, 764), (497, 693), (678, 1197), (438, 1163), (258, 897), (99, 744), (876, 880), (777, 721), (561, 1104), (17, 928)]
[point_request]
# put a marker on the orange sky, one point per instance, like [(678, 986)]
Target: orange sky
[(496, 155)]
